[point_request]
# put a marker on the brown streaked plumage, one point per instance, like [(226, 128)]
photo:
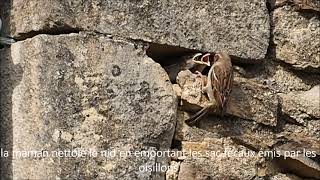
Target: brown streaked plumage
[(222, 80), (218, 86)]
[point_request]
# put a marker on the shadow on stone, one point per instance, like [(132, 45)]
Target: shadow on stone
[(10, 76)]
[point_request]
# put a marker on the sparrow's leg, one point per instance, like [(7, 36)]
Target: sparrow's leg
[(196, 117)]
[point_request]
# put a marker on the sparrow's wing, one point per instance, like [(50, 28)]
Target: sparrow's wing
[(222, 83), (229, 83)]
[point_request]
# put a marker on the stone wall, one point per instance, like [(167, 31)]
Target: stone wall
[(109, 77)]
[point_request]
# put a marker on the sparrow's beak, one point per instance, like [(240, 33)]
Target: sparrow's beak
[(195, 58), (206, 59)]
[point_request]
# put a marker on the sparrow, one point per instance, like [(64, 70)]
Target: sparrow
[(4, 40), (218, 85)]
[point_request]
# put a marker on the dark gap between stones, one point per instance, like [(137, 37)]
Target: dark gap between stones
[(56, 30), (176, 144), (167, 55), (316, 159)]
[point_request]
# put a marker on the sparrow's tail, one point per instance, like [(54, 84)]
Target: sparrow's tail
[(222, 112), (193, 119), (223, 108)]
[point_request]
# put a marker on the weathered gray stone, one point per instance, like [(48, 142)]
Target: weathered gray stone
[(282, 80), (190, 90), (298, 157), (186, 133), (257, 139), (278, 77), (294, 34), (302, 106), (217, 159), (177, 90), (248, 99), (284, 177), (83, 91), (307, 135), (239, 27), (297, 152), (249, 133), (209, 145), (187, 172), (173, 172)]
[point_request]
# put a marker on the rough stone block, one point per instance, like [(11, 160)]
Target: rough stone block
[(239, 27), (83, 91), (302, 106), (294, 37), (217, 159)]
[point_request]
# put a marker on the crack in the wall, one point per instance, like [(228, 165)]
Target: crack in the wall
[(176, 144), (297, 70), (316, 159), (167, 54), (271, 52), (65, 29)]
